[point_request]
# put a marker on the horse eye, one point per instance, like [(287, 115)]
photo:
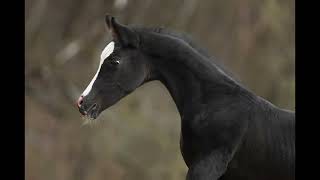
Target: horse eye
[(115, 62)]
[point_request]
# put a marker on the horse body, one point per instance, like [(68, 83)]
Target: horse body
[(252, 143), (227, 132), (267, 149)]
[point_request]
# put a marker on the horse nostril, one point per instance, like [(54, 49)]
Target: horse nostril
[(80, 101)]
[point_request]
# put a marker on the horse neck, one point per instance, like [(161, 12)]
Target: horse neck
[(190, 78)]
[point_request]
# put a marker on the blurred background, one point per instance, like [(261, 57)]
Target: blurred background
[(138, 138)]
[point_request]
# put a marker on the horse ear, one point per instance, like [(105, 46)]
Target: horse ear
[(122, 33)]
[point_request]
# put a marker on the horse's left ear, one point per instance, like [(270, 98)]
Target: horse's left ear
[(122, 33)]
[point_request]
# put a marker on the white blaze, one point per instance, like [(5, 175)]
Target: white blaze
[(105, 53)]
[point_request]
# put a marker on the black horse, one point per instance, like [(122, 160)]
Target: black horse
[(227, 132)]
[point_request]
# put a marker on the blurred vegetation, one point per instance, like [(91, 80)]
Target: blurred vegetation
[(138, 138)]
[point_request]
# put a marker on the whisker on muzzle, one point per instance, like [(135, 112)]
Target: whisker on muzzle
[(86, 120), (89, 121)]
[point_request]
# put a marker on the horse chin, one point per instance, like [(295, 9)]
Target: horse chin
[(92, 113)]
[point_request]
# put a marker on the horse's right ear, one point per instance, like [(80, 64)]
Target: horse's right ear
[(121, 33)]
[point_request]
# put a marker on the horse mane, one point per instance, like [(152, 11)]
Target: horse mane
[(186, 38), (183, 36)]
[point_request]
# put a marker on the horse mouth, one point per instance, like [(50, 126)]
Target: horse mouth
[(92, 113)]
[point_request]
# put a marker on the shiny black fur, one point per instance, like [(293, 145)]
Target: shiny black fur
[(227, 132)]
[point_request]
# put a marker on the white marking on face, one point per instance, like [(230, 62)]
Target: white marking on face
[(105, 53)]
